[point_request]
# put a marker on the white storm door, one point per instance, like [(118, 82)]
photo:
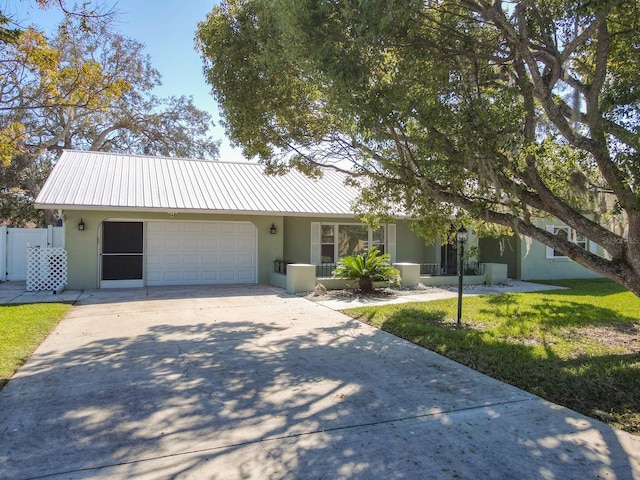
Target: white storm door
[(122, 256)]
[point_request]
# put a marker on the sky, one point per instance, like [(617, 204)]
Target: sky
[(167, 29)]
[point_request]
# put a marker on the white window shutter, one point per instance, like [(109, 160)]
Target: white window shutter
[(314, 258), (391, 241)]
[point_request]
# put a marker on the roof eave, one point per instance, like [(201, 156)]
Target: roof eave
[(44, 206)]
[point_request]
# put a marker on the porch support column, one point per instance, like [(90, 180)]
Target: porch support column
[(410, 274), (301, 277)]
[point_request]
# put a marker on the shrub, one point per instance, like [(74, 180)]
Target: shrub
[(366, 268)]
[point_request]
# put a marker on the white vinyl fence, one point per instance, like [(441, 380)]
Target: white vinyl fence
[(13, 248)]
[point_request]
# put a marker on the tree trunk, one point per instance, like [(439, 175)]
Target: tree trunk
[(365, 284)]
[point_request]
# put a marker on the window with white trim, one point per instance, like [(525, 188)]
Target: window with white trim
[(338, 240), (567, 233)]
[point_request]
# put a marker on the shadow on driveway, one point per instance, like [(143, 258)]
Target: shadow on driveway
[(272, 386)]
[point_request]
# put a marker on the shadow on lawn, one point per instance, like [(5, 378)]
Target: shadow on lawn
[(592, 287), (555, 311), (606, 387)]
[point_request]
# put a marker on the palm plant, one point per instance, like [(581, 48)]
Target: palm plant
[(366, 268)]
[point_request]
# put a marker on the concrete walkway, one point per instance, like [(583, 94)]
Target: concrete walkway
[(425, 294), (12, 293), (249, 382)]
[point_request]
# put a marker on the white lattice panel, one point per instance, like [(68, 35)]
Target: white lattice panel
[(46, 268)]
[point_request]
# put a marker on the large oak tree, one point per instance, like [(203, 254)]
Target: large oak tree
[(85, 88), (504, 112)]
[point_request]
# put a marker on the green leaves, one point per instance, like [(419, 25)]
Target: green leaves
[(503, 112), (368, 267), (85, 88)]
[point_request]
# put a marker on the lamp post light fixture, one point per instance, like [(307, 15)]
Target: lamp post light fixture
[(462, 238)]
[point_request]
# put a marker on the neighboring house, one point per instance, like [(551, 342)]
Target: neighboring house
[(134, 220), (528, 259)]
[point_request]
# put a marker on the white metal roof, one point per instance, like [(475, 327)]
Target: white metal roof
[(101, 181)]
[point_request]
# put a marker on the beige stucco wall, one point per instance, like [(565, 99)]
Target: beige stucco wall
[(297, 240), (502, 250), (536, 266), (291, 242), (411, 248), (83, 246)]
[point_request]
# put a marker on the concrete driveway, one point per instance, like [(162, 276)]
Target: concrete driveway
[(249, 382)]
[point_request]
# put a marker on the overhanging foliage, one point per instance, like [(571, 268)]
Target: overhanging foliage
[(503, 112)]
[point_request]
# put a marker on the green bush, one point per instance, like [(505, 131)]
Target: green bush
[(366, 268)]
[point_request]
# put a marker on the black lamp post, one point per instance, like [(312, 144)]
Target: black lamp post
[(462, 238)]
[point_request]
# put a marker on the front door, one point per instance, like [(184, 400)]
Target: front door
[(122, 258), (449, 260)]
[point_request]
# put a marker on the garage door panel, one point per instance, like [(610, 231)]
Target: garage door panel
[(209, 260), (171, 260), (228, 228), (245, 228), (170, 243), (191, 244), (245, 260), (210, 227), (245, 277), (210, 276), (191, 276), (176, 227), (228, 276), (227, 243), (192, 259), (154, 259), (245, 245), (154, 227), (153, 243), (189, 253), (210, 243), (226, 260)]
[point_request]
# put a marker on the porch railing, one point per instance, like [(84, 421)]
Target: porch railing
[(473, 268), (429, 269), (323, 270), (470, 268), (280, 265)]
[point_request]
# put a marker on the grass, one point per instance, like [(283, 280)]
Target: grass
[(577, 347), (22, 329)]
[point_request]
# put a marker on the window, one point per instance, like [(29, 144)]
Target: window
[(327, 244), (564, 233), (352, 240), (341, 240), (569, 234)]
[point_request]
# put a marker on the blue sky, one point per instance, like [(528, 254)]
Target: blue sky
[(167, 28)]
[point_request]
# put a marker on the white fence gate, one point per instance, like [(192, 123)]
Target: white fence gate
[(13, 248)]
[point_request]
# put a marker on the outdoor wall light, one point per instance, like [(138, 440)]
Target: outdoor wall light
[(81, 225), (272, 229)]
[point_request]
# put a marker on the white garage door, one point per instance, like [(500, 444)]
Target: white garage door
[(200, 253)]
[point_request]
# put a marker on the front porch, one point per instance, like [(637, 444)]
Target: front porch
[(298, 277)]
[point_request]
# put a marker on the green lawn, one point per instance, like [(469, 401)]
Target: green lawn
[(22, 329), (576, 347)]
